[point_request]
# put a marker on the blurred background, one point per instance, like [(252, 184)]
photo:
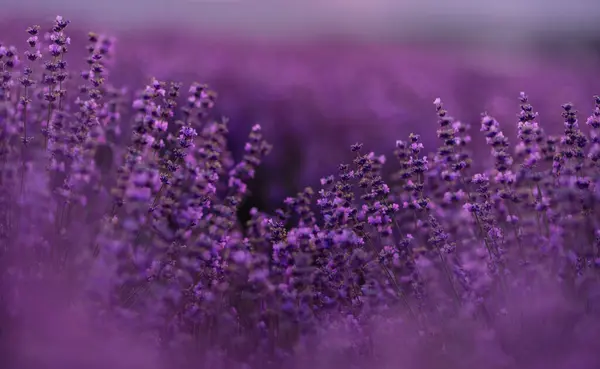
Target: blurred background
[(509, 21), (320, 75)]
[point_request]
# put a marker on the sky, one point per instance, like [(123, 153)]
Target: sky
[(496, 20)]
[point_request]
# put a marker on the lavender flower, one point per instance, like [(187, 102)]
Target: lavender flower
[(137, 200)]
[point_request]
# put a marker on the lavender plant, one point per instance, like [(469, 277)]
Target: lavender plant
[(141, 219)]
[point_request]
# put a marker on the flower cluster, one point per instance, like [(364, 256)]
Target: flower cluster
[(137, 199)]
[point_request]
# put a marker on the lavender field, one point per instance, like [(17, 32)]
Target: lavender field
[(175, 201)]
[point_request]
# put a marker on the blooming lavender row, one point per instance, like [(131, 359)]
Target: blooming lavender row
[(144, 216)]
